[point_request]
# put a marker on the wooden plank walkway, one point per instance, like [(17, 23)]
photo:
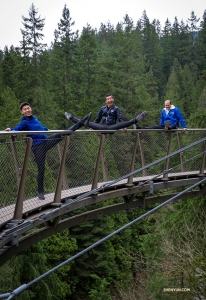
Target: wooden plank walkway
[(34, 204)]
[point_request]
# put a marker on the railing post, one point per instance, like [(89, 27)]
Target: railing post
[(202, 166), (57, 195), (65, 184), (165, 176), (21, 191), (144, 172), (130, 178), (181, 153), (96, 171), (16, 160)]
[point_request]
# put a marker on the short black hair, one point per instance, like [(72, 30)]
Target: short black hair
[(23, 104), (108, 95)]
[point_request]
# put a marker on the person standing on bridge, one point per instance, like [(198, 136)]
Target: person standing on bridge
[(170, 118), (41, 143), (109, 114)]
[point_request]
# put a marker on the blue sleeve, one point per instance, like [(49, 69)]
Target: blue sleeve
[(119, 115), (98, 116), (162, 118), (20, 127), (180, 118)]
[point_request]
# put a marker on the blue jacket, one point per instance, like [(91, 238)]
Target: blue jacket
[(109, 116), (174, 115), (32, 124)]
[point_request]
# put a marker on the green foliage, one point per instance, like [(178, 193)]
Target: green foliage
[(99, 289), (175, 250), (58, 248), (10, 112), (24, 268)]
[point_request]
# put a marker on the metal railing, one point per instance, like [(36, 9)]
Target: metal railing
[(85, 160)]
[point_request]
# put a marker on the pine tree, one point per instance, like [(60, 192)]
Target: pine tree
[(32, 33), (152, 49), (63, 67), (128, 66), (201, 49), (85, 74)]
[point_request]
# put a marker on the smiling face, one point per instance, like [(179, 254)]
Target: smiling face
[(109, 101), (168, 104), (26, 111)]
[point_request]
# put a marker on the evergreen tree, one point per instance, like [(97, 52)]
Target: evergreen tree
[(64, 67), (9, 109), (152, 49), (29, 72), (193, 29), (24, 268), (173, 90), (202, 44), (128, 66), (8, 64), (86, 68), (32, 33)]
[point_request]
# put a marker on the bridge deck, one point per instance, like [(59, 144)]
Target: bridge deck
[(34, 204)]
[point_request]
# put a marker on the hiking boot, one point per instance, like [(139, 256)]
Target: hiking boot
[(85, 121), (140, 116), (41, 196), (167, 124), (71, 117)]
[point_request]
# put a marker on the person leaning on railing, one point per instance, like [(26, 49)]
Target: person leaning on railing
[(170, 118), (41, 143), (109, 114)]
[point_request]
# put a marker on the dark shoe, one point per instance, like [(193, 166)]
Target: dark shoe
[(140, 116), (68, 116), (41, 196), (137, 126), (167, 124), (85, 121), (71, 117)]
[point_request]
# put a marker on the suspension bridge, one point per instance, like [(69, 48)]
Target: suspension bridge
[(89, 167)]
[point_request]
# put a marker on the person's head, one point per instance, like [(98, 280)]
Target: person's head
[(109, 100), (25, 109), (168, 104)]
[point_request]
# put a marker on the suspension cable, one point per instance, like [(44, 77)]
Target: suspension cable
[(28, 285)]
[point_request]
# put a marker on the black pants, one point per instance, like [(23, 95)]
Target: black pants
[(40, 152), (117, 126)]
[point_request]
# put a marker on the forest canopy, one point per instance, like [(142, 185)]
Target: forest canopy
[(141, 64)]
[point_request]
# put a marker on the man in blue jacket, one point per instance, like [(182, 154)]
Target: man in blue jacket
[(41, 143), (170, 118), (108, 114)]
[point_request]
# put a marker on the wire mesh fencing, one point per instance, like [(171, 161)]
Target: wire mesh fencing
[(120, 154)]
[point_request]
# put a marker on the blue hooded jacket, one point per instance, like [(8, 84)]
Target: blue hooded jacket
[(174, 115), (109, 116), (32, 124)]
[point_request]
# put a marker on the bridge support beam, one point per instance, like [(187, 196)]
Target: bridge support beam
[(21, 191), (57, 195), (181, 153), (130, 179), (165, 175), (202, 166), (96, 172)]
